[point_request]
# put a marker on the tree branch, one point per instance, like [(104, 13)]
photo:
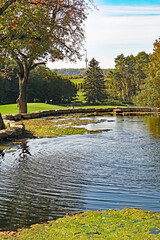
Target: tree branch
[(36, 64), (21, 68), (23, 55)]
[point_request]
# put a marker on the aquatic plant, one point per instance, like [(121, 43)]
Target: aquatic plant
[(109, 224)]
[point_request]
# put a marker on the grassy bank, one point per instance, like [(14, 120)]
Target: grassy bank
[(109, 224), (32, 107)]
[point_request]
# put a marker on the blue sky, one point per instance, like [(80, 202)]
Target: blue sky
[(127, 27), (129, 3)]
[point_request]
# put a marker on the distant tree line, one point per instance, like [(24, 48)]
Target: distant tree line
[(78, 73), (44, 85), (149, 94), (71, 72), (124, 81), (79, 86), (136, 79)]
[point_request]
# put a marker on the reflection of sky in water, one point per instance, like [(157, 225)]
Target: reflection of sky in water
[(48, 177), (102, 123)]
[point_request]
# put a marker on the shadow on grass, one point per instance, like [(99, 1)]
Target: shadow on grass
[(106, 103)]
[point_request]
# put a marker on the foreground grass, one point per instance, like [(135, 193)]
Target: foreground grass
[(109, 224)]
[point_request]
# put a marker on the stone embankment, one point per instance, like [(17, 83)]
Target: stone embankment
[(128, 111), (16, 129), (13, 130)]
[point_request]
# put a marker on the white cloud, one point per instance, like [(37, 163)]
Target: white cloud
[(118, 29), (108, 10), (138, 29)]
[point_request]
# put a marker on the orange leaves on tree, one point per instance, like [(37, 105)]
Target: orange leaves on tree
[(150, 90)]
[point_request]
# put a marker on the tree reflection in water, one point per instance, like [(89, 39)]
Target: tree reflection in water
[(2, 153), (153, 125), (24, 149)]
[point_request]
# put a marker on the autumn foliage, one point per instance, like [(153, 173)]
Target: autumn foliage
[(150, 90)]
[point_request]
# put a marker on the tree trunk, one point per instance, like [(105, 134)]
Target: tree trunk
[(2, 126), (22, 99), (23, 71)]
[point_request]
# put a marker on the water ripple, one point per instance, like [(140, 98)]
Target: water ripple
[(115, 169)]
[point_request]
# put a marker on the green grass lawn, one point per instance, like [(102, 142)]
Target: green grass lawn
[(77, 81), (32, 107)]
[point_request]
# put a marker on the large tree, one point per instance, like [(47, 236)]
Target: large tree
[(33, 31), (94, 83), (149, 94)]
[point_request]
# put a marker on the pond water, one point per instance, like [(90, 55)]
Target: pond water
[(43, 179)]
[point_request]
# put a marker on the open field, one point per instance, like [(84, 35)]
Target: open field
[(77, 81), (32, 107)]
